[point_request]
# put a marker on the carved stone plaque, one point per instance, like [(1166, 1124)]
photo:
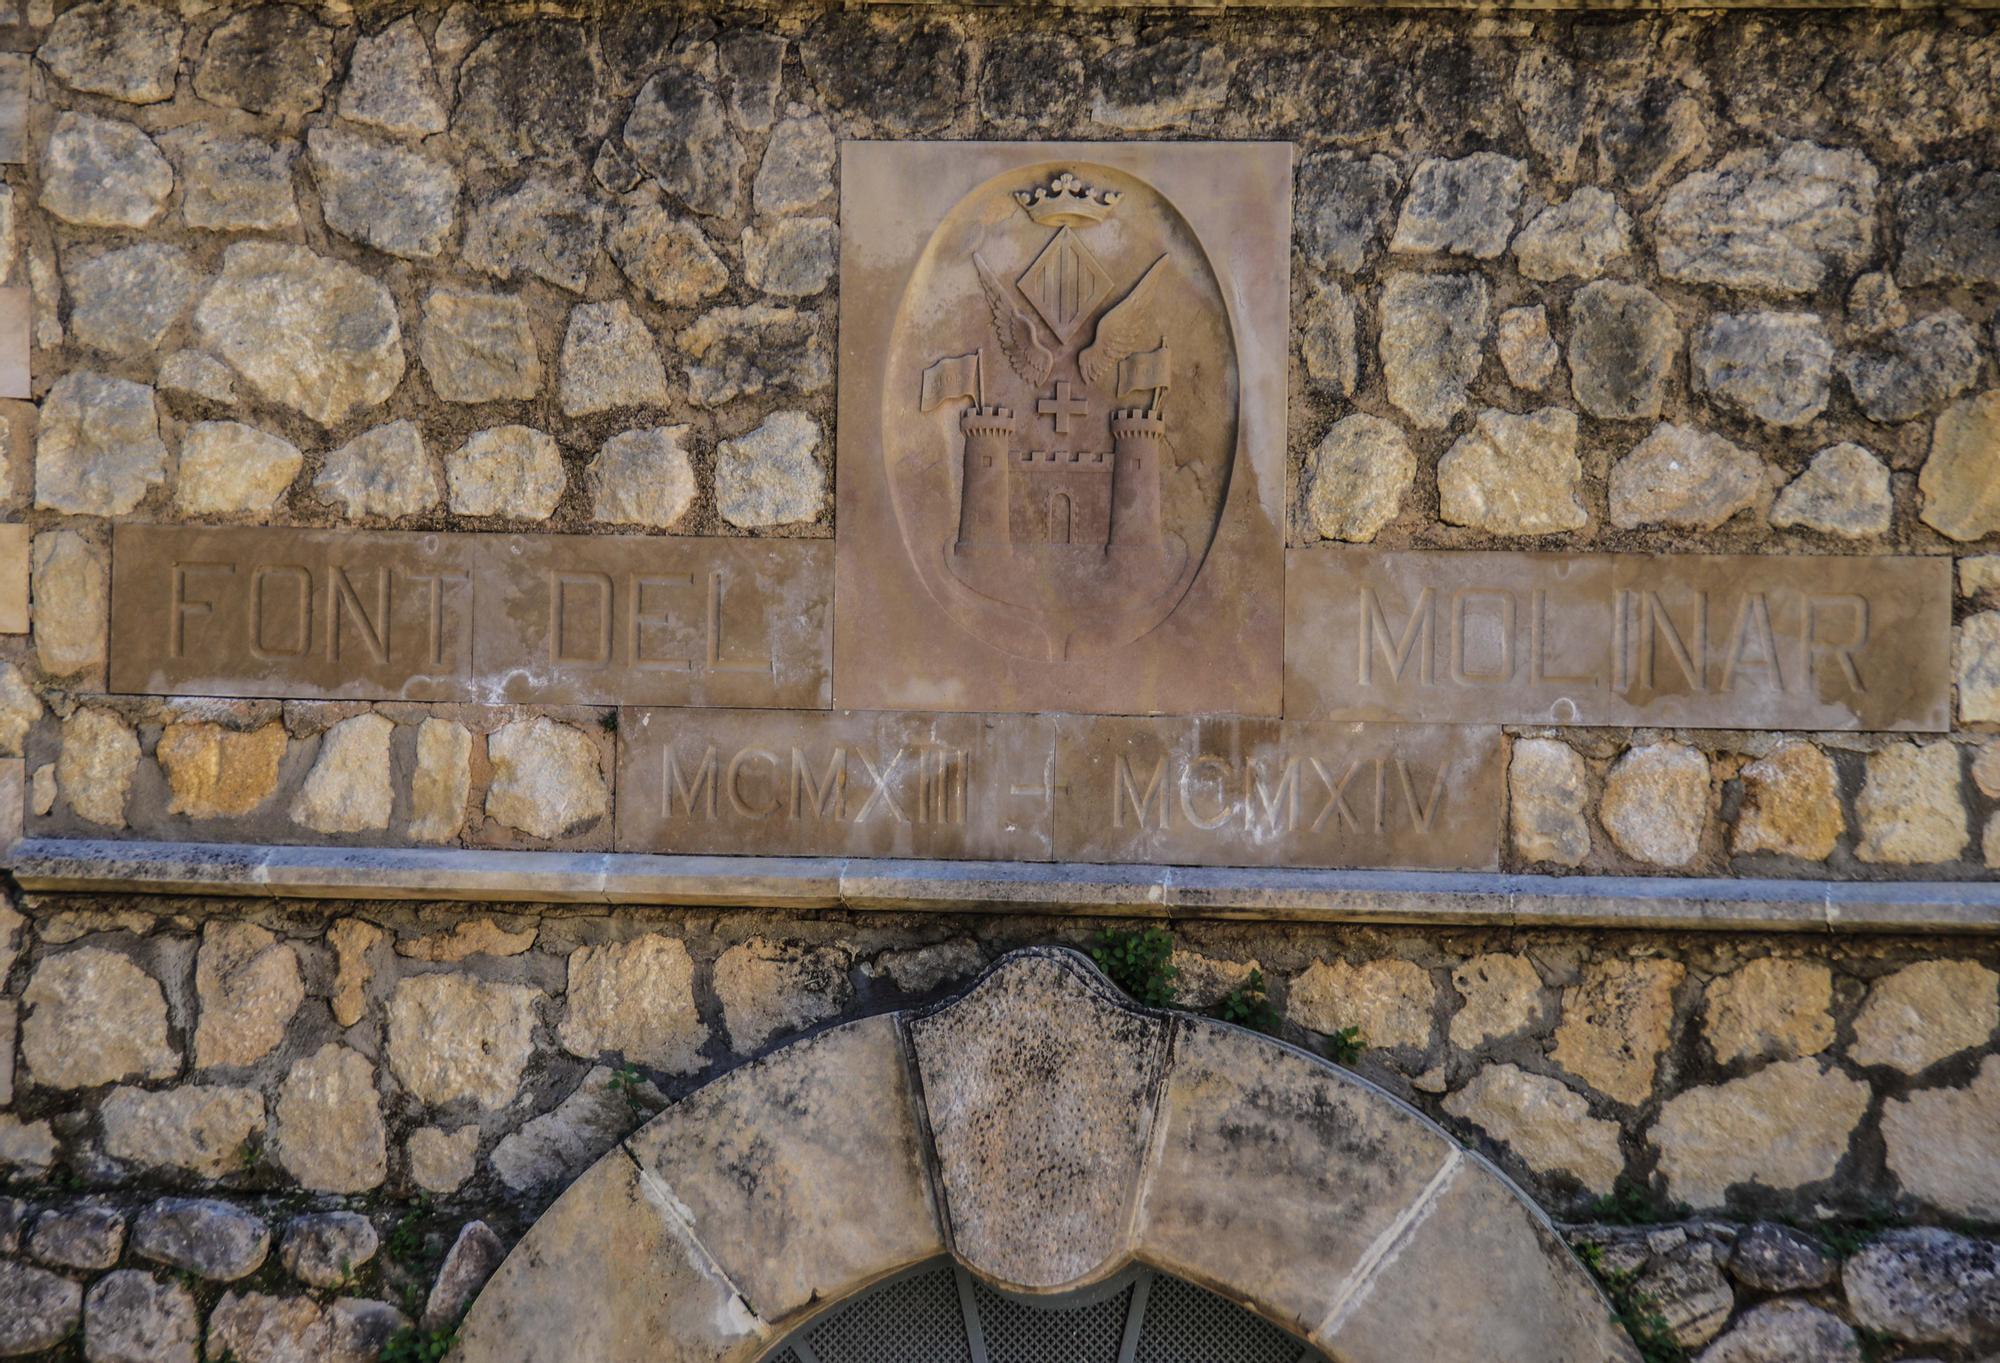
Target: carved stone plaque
[(1209, 791), (873, 784), (1062, 416), (1743, 641), (494, 619), (1263, 792)]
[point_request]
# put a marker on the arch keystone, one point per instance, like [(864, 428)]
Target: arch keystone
[(1039, 1085)]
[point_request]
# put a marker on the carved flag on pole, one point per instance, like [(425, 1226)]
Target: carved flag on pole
[(1148, 371), (951, 378)]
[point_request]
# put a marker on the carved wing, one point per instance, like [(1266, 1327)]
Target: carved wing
[(1014, 330), (1124, 329)]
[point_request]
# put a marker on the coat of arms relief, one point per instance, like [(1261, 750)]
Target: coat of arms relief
[(1062, 453)]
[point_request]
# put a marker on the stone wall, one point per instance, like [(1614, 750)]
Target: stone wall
[(1597, 282), (431, 1066), (1715, 282)]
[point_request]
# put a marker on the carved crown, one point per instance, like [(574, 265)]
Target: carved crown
[(1068, 202)]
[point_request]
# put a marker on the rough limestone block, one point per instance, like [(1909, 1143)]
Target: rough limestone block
[(635, 998), (131, 1315), (94, 1017), (199, 1128), (1543, 1123), (1769, 1008), (552, 1149), (14, 541), (1944, 1144), (247, 986), (43, 1308), (1782, 1127), (453, 1037), (1357, 477)]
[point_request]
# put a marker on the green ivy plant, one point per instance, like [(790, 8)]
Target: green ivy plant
[(411, 1345), (1876, 1345), (1633, 1204), (1140, 963), (1636, 1312), (1850, 1235), (1248, 1005), (404, 1244), (625, 1082), (1345, 1046)]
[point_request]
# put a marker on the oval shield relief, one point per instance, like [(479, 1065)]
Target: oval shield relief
[(1060, 421)]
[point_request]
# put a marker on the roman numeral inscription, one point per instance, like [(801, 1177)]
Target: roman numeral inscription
[(547, 619), (1740, 641), (839, 783), (1222, 791), (1267, 792)]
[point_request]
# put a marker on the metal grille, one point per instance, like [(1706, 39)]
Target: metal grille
[(940, 1314), (1025, 1330), (1185, 1324), (912, 1319)]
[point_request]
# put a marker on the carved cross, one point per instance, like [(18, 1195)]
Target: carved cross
[(1048, 789), (1062, 407)]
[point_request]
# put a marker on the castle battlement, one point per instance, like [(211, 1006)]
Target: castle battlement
[(994, 420), (1083, 460)]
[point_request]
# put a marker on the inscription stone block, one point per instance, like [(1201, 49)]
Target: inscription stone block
[(845, 783), (492, 619), (1263, 792), (956, 786), (1062, 421), (1740, 641)]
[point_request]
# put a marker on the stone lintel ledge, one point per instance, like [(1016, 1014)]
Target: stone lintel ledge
[(1045, 1131), (101, 866)]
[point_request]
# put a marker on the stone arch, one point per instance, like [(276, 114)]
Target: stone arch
[(1045, 1132)]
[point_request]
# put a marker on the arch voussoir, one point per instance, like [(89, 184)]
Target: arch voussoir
[(794, 1180), (610, 1274), (1274, 1173), (1476, 1273), (802, 1174)]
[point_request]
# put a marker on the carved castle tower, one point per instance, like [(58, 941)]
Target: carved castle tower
[(982, 504), (1138, 446)]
